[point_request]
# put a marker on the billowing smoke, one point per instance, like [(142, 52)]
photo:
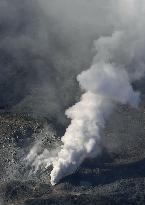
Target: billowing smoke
[(106, 83), (37, 53), (45, 44)]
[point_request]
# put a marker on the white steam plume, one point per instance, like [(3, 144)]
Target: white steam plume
[(106, 82), (118, 62)]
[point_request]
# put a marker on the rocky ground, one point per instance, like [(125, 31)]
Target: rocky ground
[(117, 176)]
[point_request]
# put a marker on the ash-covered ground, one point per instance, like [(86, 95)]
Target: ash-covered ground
[(117, 176)]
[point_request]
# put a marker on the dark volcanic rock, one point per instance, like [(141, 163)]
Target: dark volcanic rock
[(115, 177)]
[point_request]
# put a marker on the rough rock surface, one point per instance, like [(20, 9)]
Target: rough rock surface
[(115, 177)]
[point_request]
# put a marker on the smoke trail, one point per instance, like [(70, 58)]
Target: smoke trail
[(105, 84), (44, 150), (118, 62)]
